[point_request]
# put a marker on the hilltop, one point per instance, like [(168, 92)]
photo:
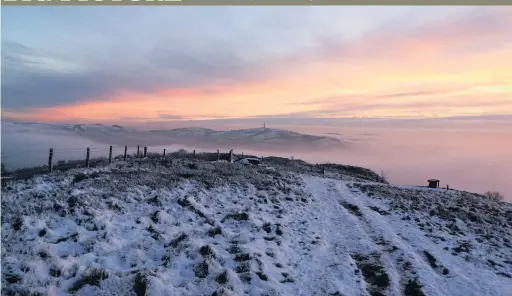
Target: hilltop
[(189, 227), (251, 138)]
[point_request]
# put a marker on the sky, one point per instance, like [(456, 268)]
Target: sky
[(127, 64)]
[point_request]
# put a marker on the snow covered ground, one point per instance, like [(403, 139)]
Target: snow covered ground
[(184, 227)]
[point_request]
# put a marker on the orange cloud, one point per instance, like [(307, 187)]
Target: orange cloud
[(448, 69)]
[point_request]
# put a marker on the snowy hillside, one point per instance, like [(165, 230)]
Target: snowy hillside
[(184, 227)]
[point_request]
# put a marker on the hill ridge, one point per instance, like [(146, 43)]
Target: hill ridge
[(252, 138)]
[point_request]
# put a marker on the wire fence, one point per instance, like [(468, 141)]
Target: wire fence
[(26, 164), (62, 159), (31, 164), (23, 159)]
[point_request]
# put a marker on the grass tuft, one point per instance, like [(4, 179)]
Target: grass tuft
[(207, 252), (55, 271), (176, 242), (378, 210), (201, 270), (242, 257), (413, 288), (79, 178), (238, 216), (244, 267), (17, 223), (43, 255), (153, 231), (93, 278), (266, 227), (12, 278), (214, 231), (42, 232), (431, 259), (372, 271), (279, 231), (262, 276), (245, 277), (154, 217), (140, 284), (354, 209), (222, 278)]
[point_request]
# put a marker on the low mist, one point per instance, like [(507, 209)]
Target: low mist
[(471, 160)]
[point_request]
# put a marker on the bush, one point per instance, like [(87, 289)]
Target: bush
[(494, 195), (383, 175)]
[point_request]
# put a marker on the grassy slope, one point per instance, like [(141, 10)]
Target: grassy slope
[(184, 227)]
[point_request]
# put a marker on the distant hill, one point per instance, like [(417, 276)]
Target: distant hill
[(250, 138), (255, 138)]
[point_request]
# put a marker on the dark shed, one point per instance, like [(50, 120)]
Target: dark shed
[(433, 183)]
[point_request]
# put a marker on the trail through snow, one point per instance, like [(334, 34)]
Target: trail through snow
[(330, 267)]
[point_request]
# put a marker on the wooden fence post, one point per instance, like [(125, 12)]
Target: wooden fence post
[(125, 150), (138, 150), (194, 153), (87, 157), (145, 151), (50, 160), (218, 154), (323, 170), (110, 155), (164, 152), (231, 155)]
